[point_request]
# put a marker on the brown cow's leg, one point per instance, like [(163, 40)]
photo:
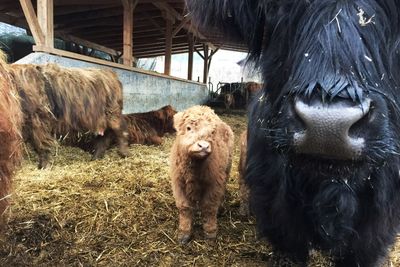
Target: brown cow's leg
[(43, 153), (41, 139), (101, 144)]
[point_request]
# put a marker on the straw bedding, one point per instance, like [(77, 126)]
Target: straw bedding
[(120, 212)]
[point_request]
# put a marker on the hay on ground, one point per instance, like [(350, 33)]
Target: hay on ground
[(120, 212)]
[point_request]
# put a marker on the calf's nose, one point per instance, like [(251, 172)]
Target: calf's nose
[(327, 128), (203, 145)]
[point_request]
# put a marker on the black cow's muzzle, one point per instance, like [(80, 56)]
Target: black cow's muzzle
[(326, 129)]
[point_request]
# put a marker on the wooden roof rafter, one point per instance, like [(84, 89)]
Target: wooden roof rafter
[(97, 24), (171, 11)]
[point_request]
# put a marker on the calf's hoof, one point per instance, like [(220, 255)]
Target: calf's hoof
[(184, 238), (210, 235)]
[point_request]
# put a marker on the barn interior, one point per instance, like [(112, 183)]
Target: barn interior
[(113, 211), (127, 29), (121, 32)]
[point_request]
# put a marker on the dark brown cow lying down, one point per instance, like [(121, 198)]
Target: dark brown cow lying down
[(57, 101), (146, 128), (10, 132), (161, 120)]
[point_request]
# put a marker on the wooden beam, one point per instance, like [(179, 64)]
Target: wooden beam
[(32, 20), (46, 20), (213, 52), (129, 6), (169, 9), (172, 12), (143, 42), (64, 36), (153, 21), (190, 57), (158, 48), (158, 54), (161, 48), (198, 52), (88, 15), (168, 47), (180, 26), (63, 12), (205, 70), (77, 40)]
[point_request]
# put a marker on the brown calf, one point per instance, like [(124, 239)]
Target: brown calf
[(200, 163)]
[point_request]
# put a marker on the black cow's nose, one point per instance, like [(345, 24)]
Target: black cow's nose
[(327, 128)]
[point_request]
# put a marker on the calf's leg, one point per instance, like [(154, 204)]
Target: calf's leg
[(185, 208), (210, 204)]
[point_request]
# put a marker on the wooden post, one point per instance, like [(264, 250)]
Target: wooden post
[(32, 20), (168, 46), (45, 13), (205, 73), (190, 59), (129, 6)]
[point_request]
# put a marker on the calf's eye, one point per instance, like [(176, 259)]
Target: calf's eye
[(188, 128)]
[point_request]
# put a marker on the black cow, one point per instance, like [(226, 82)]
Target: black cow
[(323, 148)]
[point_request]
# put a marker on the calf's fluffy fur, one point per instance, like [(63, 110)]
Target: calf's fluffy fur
[(200, 162)]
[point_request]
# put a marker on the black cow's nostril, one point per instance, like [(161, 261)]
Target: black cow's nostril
[(327, 128)]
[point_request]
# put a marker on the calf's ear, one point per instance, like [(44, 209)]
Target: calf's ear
[(226, 132), (177, 120)]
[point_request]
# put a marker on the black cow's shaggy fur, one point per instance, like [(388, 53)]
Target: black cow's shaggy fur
[(334, 50)]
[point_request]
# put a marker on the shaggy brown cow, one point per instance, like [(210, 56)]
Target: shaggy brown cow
[(200, 159), (57, 100), (252, 88), (243, 188), (229, 101), (10, 135)]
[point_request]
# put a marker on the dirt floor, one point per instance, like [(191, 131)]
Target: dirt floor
[(120, 212)]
